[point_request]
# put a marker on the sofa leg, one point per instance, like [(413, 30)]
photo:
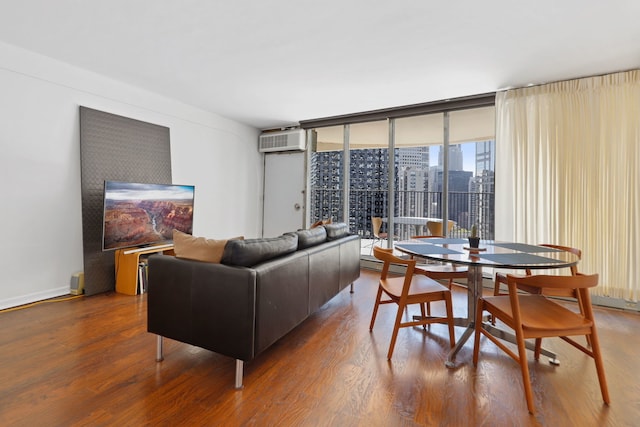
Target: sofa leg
[(159, 357), (239, 367), (351, 290)]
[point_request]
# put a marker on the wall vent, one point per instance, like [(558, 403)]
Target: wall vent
[(288, 140)]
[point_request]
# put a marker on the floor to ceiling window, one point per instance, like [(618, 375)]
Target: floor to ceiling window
[(368, 168), (442, 167), (472, 169), (419, 190), (326, 180)]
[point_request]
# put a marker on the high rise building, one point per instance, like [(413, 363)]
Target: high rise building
[(482, 190), (455, 158), (412, 179), (418, 186), (485, 156), (369, 185)]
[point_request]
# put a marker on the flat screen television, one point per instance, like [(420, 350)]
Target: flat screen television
[(137, 214)]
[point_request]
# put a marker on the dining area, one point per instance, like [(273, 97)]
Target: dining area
[(405, 227), (536, 293), (564, 173), (409, 226)]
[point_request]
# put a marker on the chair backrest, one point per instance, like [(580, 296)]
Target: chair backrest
[(576, 251), (435, 227), (575, 286), (573, 269), (387, 257), (376, 225)]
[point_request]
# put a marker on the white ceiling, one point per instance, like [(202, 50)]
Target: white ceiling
[(272, 63)]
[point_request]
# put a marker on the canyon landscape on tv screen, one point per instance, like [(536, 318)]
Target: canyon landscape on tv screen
[(137, 214)]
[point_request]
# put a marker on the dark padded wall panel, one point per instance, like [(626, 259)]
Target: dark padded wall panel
[(114, 148)]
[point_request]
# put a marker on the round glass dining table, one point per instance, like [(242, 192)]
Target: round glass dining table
[(491, 253)]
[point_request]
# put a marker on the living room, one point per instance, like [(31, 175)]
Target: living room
[(41, 95)]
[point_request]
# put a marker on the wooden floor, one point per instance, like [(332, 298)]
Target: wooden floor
[(90, 361)]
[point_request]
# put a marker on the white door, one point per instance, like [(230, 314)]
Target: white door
[(284, 184)]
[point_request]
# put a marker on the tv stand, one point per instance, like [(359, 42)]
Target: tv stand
[(127, 262)]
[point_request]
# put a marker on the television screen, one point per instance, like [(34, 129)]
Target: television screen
[(137, 214)]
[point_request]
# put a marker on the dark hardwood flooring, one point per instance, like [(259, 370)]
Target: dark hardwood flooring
[(90, 361)]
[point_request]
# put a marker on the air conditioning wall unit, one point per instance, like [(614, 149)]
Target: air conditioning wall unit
[(286, 140)]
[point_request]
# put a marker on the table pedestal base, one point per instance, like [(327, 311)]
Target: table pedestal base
[(497, 332), (451, 358)]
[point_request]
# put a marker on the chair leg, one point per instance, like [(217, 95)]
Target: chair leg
[(524, 367), (375, 309), (597, 357), (537, 349), (449, 307), (476, 339), (423, 314), (396, 328), (373, 243), (496, 288), (581, 306)]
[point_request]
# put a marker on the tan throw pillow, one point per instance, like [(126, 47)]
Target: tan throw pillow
[(197, 248), (321, 222)]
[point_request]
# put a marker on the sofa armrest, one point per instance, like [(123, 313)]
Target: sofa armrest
[(349, 260), (203, 304)]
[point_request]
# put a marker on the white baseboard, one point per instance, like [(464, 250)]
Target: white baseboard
[(619, 303), (34, 297)]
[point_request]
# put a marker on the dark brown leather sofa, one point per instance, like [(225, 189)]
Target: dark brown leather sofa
[(238, 308)]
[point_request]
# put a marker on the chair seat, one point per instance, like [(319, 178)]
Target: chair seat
[(541, 317), (420, 286)]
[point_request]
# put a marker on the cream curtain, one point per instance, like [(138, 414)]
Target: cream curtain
[(569, 173)]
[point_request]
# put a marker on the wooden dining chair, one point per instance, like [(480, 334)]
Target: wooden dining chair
[(536, 316), (444, 272), (378, 236), (409, 289), (435, 228), (501, 279)]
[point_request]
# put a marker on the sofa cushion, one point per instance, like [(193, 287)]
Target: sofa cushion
[(198, 248), (311, 237), (336, 230), (249, 252)]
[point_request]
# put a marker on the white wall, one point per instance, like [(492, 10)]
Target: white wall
[(40, 213)]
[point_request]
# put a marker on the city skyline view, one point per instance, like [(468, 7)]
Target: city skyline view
[(468, 155), (418, 185)]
